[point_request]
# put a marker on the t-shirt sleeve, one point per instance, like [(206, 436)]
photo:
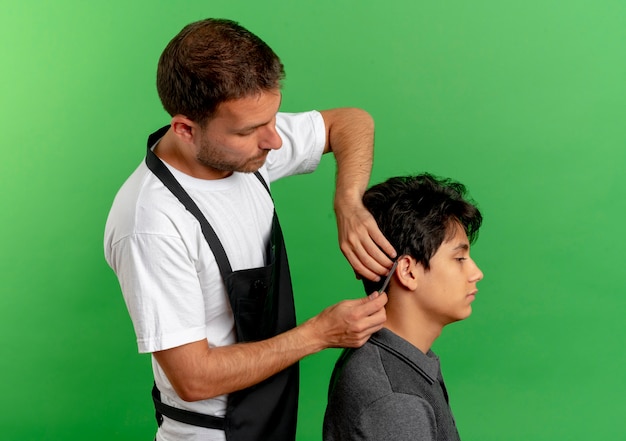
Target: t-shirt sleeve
[(304, 137), (161, 290), (396, 417)]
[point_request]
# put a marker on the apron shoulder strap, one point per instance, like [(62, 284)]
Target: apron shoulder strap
[(260, 178), (165, 176), (162, 172)]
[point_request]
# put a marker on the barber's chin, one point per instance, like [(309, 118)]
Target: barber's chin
[(253, 165)]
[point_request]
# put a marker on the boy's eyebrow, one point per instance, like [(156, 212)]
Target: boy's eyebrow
[(461, 246)]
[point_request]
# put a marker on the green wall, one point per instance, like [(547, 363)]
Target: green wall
[(524, 101)]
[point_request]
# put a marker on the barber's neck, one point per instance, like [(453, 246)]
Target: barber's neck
[(183, 157)]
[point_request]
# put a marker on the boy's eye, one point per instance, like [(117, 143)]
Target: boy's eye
[(461, 259)]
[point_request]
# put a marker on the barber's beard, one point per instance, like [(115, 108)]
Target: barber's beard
[(211, 157)]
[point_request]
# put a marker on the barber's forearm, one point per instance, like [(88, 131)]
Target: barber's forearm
[(351, 139), (198, 372)]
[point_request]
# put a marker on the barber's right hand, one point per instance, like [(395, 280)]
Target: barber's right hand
[(349, 324)]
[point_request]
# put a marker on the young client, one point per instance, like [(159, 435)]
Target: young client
[(391, 388)]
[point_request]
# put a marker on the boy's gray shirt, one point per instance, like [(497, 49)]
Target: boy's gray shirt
[(388, 390)]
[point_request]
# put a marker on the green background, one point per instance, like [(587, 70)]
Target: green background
[(523, 101)]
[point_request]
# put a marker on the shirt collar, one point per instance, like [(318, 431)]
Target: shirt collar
[(426, 364)]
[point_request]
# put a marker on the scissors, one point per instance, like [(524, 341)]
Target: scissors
[(388, 279)]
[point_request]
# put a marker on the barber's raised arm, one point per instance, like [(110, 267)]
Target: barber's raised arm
[(350, 137), (199, 372)]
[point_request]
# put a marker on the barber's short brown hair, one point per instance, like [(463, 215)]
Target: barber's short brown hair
[(212, 61)]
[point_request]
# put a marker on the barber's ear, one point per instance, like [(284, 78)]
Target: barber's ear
[(184, 128), (408, 272)]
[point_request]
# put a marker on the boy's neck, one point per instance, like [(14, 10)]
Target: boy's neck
[(411, 324)]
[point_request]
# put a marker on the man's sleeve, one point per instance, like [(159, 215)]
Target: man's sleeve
[(161, 291), (304, 138)]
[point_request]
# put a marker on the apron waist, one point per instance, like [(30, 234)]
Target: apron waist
[(184, 416)]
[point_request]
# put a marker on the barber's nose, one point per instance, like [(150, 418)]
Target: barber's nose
[(271, 139)]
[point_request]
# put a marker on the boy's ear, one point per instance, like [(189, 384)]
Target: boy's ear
[(408, 272)]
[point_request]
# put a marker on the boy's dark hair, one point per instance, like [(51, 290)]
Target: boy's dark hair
[(212, 61), (418, 213)]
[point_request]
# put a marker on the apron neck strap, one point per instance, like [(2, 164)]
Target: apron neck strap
[(167, 178)]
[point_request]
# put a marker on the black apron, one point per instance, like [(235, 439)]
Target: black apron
[(262, 304)]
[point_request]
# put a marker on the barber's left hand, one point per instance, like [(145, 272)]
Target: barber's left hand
[(362, 242)]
